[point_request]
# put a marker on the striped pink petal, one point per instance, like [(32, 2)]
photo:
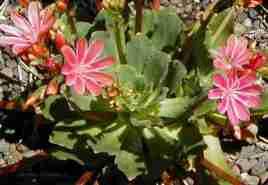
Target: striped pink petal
[(232, 116), (240, 110), (81, 48), (103, 63), (223, 105), (214, 94), (21, 23), (33, 15), (219, 81), (93, 88), (19, 48), (94, 51), (11, 30), (10, 40), (102, 78), (69, 55), (47, 20), (80, 86)]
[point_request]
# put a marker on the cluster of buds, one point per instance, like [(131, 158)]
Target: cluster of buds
[(116, 5), (111, 95)]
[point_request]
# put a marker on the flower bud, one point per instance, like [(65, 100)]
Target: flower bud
[(38, 50), (24, 3), (62, 5), (51, 65), (59, 40)]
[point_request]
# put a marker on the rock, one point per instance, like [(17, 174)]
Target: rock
[(252, 13), (264, 177), (250, 180), (256, 24), (189, 8), (188, 181), (241, 17), (204, 3), (236, 170), (245, 164), (249, 151), (259, 168), (247, 22)]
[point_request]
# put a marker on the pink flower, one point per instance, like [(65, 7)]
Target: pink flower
[(27, 30), (236, 95), (253, 3), (234, 55), (83, 67)]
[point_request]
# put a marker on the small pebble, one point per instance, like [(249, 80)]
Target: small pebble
[(259, 168), (264, 177), (250, 180), (247, 22), (245, 164), (252, 13)]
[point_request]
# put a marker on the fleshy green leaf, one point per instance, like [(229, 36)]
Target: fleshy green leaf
[(82, 28), (177, 71), (167, 26), (204, 108), (174, 107), (82, 101), (139, 51), (156, 69), (110, 46), (153, 64), (125, 143), (214, 153), (160, 143), (55, 108)]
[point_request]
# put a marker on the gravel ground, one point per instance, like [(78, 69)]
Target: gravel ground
[(13, 79), (254, 22), (251, 163)]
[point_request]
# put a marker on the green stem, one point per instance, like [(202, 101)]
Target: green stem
[(139, 15), (119, 45)]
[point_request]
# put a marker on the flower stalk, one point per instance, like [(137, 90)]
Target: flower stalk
[(156, 5), (139, 15), (118, 41)]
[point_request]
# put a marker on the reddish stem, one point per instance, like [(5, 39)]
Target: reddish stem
[(86, 178), (219, 172), (156, 5), (99, 5), (139, 15)]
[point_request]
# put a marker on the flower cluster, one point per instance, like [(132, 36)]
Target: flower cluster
[(236, 88)]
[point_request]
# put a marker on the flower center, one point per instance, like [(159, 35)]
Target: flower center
[(228, 92)]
